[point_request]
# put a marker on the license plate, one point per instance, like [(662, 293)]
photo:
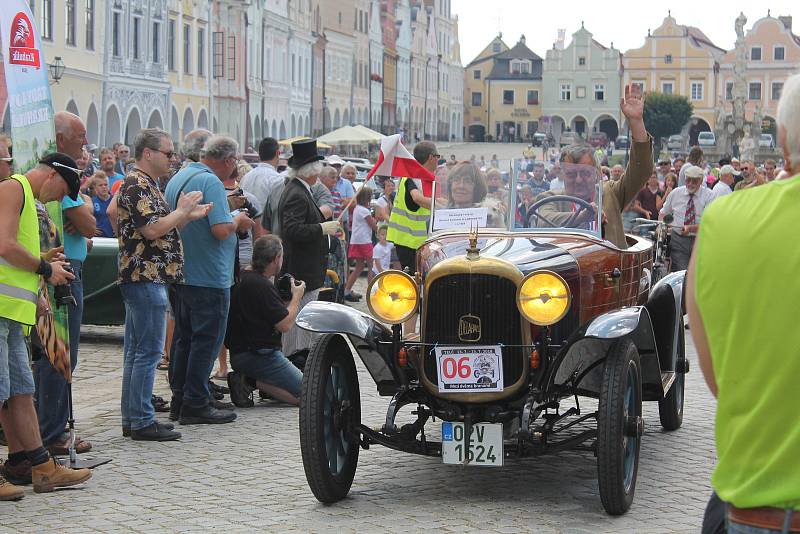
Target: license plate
[(470, 368), (485, 444)]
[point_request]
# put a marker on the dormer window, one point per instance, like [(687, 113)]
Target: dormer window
[(520, 66)]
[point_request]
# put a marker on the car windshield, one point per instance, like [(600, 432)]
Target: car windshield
[(563, 197)]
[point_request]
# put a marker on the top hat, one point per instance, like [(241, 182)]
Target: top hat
[(304, 152)]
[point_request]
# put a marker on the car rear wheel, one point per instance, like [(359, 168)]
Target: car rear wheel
[(670, 408), (619, 427), (330, 412)]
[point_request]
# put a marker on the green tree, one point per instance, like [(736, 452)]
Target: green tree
[(665, 115)]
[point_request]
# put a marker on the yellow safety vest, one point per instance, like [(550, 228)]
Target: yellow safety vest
[(407, 228), (19, 288)]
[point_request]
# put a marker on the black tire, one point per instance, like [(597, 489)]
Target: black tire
[(330, 412), (620, 406), (670, 408)]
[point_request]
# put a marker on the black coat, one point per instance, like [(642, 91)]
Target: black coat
[(304, 246)]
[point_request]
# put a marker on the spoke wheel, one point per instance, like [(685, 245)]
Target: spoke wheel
[(670, 408), (619, 427), (330, 412)]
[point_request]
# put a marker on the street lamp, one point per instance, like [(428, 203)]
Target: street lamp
[(324, 111), (56, 70)]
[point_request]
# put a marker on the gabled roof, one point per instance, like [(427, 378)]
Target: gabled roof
[(488, 53), (520, 51), (700, 38)]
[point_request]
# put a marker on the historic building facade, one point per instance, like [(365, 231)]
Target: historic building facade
[(581, 87), (677, 59)]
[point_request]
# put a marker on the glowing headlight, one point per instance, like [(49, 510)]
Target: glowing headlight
[(543, 298), (392, 297)]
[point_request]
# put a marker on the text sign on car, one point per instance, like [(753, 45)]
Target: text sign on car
[(470, 369)]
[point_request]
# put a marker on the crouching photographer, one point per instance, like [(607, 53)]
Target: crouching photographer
[(258, 316)]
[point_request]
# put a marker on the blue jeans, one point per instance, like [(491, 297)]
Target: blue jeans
[(51, 388), (269, 366), (145, 329), (201, 317)]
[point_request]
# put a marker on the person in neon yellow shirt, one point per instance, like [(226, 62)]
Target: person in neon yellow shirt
[(743, 321)]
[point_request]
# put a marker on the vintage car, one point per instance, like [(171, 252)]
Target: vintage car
[(534, 338), (102, 300)]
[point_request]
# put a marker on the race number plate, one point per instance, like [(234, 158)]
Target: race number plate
[(485, 444), (470, 368)]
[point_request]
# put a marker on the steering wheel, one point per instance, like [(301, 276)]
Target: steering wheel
[(583, 205)]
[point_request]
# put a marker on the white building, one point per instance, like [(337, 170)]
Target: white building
[(375, 45)]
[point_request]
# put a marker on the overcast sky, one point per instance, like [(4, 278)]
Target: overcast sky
[(621, 22)]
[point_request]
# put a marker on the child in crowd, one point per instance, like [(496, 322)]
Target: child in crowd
[(360, 248), (382, 252), (101, 198)]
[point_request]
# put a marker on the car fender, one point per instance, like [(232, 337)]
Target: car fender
[(666, 307), (370, 339)]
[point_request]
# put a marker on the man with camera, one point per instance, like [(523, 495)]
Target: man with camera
[(257, 318), (21, 265)]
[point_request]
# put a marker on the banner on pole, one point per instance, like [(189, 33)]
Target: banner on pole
[(33, 135)]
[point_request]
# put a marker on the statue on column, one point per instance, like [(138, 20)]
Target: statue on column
[(748, 145)]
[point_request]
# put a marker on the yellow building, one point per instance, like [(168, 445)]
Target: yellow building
[(502, 92), (681, 60)]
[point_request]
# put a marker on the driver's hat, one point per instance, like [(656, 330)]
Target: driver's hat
[(694, 172)]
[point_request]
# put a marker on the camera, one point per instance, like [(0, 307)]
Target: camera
[(284, 286), (63, 294)]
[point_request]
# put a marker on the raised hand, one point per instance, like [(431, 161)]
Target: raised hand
[(632, 103)]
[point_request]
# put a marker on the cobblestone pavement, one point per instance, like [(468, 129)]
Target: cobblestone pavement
[(248, 476)]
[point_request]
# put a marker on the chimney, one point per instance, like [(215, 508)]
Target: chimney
[(522, 39), (787, 21)]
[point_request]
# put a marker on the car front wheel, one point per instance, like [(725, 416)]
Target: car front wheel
[(330, 412), (619, 427)]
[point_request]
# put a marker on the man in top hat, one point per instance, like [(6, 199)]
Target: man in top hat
[(303, 231)]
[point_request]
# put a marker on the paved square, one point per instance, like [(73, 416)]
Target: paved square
[(248, 476)]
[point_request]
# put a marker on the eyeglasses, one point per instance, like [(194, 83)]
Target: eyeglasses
[(10, 161), (585, 174), (171, 154)]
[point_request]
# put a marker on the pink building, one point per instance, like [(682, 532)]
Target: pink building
[(773, 54)]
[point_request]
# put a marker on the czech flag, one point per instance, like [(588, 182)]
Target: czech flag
[(394, 160)]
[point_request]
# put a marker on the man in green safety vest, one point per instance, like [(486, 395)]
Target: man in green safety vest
[(21, 265), (408, 223)]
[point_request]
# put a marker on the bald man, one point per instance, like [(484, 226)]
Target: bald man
[(70, 134)]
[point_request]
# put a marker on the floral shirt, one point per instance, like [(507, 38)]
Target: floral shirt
[(140, 259)]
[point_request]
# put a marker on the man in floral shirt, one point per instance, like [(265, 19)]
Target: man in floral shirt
[(151, 256)]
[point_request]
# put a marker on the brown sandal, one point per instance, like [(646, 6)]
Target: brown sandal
[(163, 365), (61, 448)]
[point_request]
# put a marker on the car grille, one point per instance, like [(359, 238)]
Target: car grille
[(489, 297)]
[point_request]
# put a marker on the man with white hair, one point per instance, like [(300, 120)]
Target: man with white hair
[(303, 231), (724, 185), (203, 298), (193, 144), (686, 204), (745, 331)]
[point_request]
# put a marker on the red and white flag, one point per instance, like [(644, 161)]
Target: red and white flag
[(395, 160)]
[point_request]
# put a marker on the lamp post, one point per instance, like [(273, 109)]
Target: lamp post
[(324, 112), (56, 70)]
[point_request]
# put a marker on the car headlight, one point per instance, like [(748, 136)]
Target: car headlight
[(543, 298), (392, 296)]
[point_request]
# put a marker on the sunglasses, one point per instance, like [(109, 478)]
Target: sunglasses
[(171, 154)]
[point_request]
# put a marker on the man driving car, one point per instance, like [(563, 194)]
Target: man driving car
[(580, 172)]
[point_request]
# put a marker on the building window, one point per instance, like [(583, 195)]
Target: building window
[(640, 85), (778, 53), (187, 49), (70, 33), (508, 97), (580, 92), (581, 61), (496, 47), (116, 29), (47, 20), (599, 91), (754, 91), (728, 90), (137, 24), (201, 52), (533, 97), (156, 57), (477, 99), (171, 45), (232, 58), (476, 74), (668, 58), (667, 88), (697, 90), (89, 24), (566, 92), (777, 89), (755, 53), (219, 55)]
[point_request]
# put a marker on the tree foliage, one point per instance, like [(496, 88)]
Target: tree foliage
[(665, 115)]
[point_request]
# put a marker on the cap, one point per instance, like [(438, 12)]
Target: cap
[(334, 160), (728, 169), (66, 167), (665, 161), (694, 172), (91, 147)]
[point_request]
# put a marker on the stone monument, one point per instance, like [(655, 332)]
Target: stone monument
[(732, 127)]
